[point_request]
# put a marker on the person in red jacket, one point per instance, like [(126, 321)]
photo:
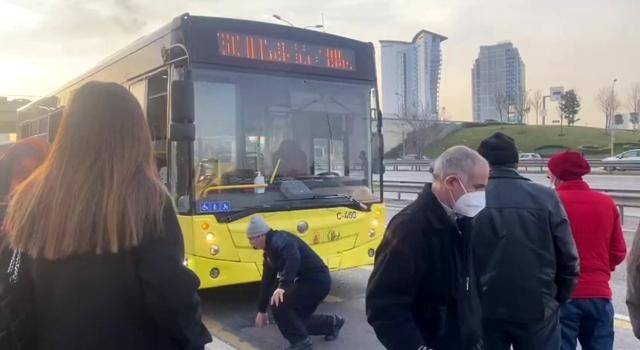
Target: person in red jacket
[(595, 223)]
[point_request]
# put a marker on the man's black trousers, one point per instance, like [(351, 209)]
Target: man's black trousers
[(500, 335), (295, 317)]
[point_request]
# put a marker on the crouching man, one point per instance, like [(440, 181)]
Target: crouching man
[(294, 282)]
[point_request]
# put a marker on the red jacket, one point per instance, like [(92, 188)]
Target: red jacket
[(595, 223)]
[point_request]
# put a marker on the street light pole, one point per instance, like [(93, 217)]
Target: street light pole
[(544, 109), (283, 20), (279, 18), (611, 121)]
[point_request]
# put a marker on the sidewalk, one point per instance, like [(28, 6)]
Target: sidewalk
[(218, 344)]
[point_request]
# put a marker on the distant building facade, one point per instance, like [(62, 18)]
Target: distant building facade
[(627, 123), (8, 116), (411, 76), (498, 83)]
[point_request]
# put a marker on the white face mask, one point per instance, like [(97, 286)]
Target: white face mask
[(552, 182), (470, 203)]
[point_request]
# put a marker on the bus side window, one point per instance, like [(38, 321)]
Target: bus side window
[(157, 106), (24, 130), (54, 124), (156, 110), (139, 91)]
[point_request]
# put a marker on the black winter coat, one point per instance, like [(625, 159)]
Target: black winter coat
[(144, 298), (524, 253), (419, 291), (287, 258)]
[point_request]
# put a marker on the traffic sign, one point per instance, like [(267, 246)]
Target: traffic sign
[(556, 93)]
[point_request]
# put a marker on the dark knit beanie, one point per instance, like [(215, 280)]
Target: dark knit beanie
[(499, 150)]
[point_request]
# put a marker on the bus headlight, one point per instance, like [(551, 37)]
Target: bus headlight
[(372, 233), (375, 223), (210, 237), (303, 226), (214, 250)]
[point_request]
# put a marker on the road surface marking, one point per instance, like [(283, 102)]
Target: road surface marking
[(622, 324), (216, 328), (622, 317), (330, 299), (622, 321), (367, 267)]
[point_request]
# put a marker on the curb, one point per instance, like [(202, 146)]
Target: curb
[(218, 344)]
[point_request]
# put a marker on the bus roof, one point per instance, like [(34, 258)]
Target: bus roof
[(176, 25)]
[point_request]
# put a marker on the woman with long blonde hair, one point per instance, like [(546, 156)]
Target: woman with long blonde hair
[(104, 246)]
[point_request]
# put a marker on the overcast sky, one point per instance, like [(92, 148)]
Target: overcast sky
[(581, 44)]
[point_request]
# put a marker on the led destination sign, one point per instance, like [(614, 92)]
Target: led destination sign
[(262, 48)]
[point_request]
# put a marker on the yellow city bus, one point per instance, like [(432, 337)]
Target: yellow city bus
[(251, 118)]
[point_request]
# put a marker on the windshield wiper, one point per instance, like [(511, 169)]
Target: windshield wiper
[(233, 216), (360, 205), (356, 203), (268, 208)]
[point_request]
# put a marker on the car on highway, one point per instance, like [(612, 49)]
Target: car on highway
[(627, 160), (529, 156), (413, 156)]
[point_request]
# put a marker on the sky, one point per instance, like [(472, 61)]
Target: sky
[(579, 44)]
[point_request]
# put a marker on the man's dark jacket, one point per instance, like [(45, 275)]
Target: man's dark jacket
[(290, 258), (524, 254), (418, 292)]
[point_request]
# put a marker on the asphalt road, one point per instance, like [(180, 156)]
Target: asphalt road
[(229, 312)]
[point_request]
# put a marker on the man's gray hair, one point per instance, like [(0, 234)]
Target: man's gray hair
[(457, 160)]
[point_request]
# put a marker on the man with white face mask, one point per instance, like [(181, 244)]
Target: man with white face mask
[(420, 293)]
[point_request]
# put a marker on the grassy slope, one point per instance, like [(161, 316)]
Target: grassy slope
[(530, 137)]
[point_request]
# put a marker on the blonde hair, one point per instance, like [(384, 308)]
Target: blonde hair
[(98, 190)]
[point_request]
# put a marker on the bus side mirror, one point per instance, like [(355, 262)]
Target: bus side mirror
[(377, 144), (182, 101)]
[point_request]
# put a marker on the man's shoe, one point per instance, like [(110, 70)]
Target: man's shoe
[(301, 345), (338, 322)]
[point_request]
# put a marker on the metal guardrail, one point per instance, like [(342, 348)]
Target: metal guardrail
[(526, 165), (408, 165), (623, 198)]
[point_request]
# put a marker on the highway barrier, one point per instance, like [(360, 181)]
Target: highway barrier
[(623, 198), (529, 165)]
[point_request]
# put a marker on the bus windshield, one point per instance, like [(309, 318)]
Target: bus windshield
[(311, 136)]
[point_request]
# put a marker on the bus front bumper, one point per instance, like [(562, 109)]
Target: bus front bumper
[(218, 273)]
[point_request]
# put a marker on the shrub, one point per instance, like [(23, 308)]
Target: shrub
[(547, 151)]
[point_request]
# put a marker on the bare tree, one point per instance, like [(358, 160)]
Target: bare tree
[(634, 105), (501, 103), (522, 107), (417, 123), (608, 102), (536, 103)]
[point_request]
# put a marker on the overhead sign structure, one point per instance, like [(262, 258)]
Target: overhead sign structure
[(556, 93)]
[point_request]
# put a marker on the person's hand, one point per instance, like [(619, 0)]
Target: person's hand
[(278, 297), (262, 319)]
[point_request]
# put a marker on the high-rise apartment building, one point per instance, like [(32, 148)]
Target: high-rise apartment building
[(499, 86), (411, 76)]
